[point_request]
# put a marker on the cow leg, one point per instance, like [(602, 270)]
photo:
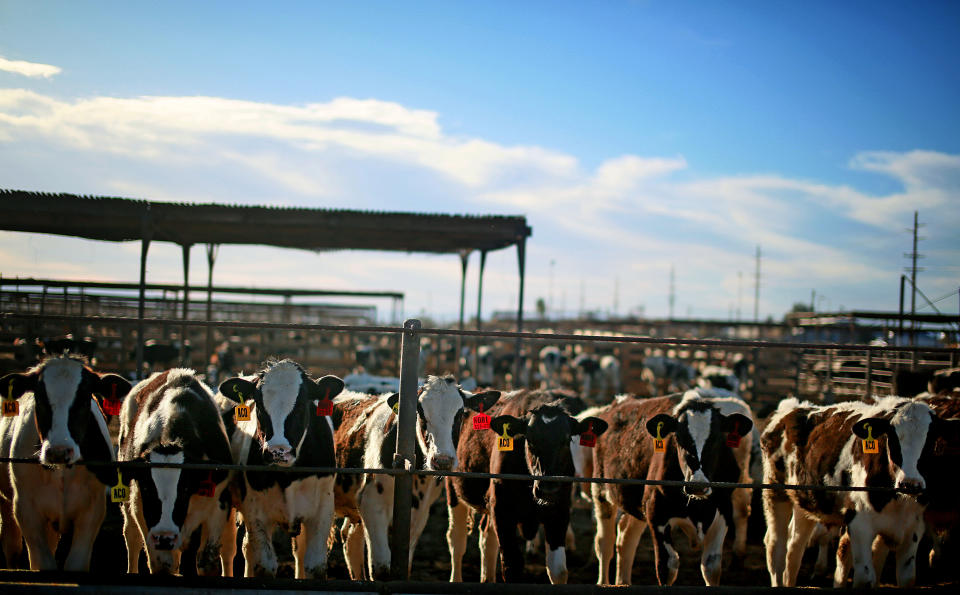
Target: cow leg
[(34, 528), (907, 556), (311, 542), (629, 531), (421, 513), (802, 528), (258, 553), (228, 543), (555, 536), (506, 522), (741, 516), (10, 533), (457, 538), (489, 550), (879, 551), (665, 557), (861, 533), (777, 510), (85, 530), (376, 511), (352, 534), (208, 554), (844, 560), (712, 557), (132, 538), (605, 515)]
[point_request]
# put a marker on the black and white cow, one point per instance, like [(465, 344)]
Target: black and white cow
[(366, 437), (60, 419), (541, 429), (171, 417), (552, 361), (695, 434), (284, 430), (809, 444)]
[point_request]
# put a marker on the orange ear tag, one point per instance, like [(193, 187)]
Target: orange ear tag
[(241, 413), (870, 445), (505, 442), (207, 487), (396, 407), (588, 438), (112, 405), (119, 493), (11, 406), (481, 421), (659, 444)]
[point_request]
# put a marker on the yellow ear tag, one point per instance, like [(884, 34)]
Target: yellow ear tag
[(870, 445), (118, 493), (505, 442), (396, 408), (241, 413), (11, 406), (659, 444)]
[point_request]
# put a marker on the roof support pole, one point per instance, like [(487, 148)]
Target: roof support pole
[(464, 257), (476, 342), (186, 305), (522, 262), (146, 234), (211, 259)]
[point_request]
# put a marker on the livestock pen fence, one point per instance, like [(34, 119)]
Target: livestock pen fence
[(410, 335)]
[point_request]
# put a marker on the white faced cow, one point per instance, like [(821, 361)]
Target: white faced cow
[(59, 418), (808, 444), (286, 431), (366, 437), (171, 417)]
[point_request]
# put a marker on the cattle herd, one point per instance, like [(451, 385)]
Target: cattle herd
[(887, 464)]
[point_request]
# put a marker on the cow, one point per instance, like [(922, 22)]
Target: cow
[(667, 374), (718, 377), (587, 370), (285, 430), (67, 344), (552, 361), (506, 368), (696, 442), (366, 437), (881, 444), (610, 382), (539, 430), (171, 417), (60, 422), (486, 361)]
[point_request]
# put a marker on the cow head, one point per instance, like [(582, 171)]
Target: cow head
[(547, 430), (285, 398), (64, 391), (909, 434), (441, 405), (701, 432)]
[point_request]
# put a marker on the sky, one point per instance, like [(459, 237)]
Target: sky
[(636, 137)]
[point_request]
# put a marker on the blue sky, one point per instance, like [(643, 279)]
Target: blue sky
[(635, 137)]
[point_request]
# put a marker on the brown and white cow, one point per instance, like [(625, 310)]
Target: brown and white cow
[(171, 417), (60, 419), (286, 430), (540, 429), (695, 435), (366, 437), (823, 445)]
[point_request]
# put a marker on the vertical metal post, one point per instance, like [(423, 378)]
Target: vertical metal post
[(404, 457), (869, 388), (211, 259), (828, 398), (796, 377), (146, 236), (476, 342), (903, 280), (464, 256), (186, 305), (522, 262)]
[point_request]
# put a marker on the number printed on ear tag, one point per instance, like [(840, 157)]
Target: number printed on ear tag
[(119, 493), (241, 413), (11, 406), (659, 444), (481, 421), (505, 442), (870, 445)]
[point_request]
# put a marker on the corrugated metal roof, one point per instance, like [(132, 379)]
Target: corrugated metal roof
[(124, 219)]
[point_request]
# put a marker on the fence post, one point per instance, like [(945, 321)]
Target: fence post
[(404, 457), (828, 398), (869, 386)]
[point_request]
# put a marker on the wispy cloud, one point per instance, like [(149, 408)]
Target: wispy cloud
[(31, 69)]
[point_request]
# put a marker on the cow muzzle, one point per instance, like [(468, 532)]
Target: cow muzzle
[(164, 540), (278, 455), (912, 487), (59, 455), (440, 462), (546, 491), (697, 491)]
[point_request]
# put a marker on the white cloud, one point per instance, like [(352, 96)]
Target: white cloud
[(31, 69)]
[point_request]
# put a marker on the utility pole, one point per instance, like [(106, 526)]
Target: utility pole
[(672, 292), (739, 293), (616, 295), (913, 270), (756, 292), (813, 300)]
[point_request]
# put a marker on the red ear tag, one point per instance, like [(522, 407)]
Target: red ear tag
[(325, 407), (588, 438), (207, 487), (733, 440), (481, 421)]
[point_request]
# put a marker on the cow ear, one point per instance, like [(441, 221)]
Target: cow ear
[(873, 427), (591, 424), (329, 387), (512, 425), (113, 386), (237, 389), (662, 424), (12, 386), (737, 423), (481, 401), (393, 401)]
